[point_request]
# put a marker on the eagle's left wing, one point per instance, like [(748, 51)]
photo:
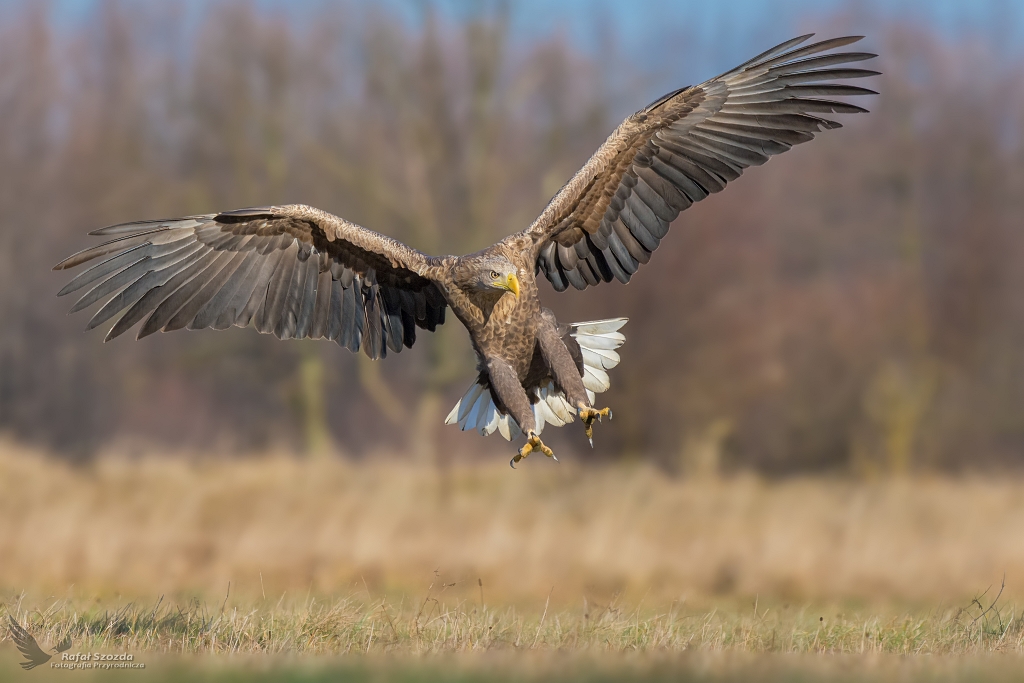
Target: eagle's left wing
[(610, 217)]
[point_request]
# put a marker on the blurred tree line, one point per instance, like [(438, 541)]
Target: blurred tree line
[(851, 306)]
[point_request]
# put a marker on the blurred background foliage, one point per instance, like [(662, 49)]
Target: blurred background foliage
[(853, 307)]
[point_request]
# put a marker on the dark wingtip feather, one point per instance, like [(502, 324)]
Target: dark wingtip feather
[(121, 228), (833, 43), (771, 52), (95, 321), (144, 225), (844, 107), (808, 50), (143, 333), (66, 289), (782, 47), (73, 260), (113, 333)]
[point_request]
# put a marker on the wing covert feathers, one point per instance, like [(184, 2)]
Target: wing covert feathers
[(608, 219)]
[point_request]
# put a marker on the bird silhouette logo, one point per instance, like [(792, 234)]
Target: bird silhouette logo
[(27, 645)]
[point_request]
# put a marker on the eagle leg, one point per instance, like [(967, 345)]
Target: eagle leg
[(509, 389), (589, 414), (568, 372), (533, 443)]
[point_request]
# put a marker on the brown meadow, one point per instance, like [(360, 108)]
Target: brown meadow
[(279, 525), (420, 572)]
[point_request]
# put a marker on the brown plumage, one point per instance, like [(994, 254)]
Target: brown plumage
[(300, 272)]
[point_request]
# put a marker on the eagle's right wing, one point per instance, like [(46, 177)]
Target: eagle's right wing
[(613, 213), (293, 271)]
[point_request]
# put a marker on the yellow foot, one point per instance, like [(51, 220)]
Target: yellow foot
[(533, 443), (589, 415)]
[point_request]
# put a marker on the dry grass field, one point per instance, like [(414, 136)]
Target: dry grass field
[(263, 559), (272, 526), (428, 640)]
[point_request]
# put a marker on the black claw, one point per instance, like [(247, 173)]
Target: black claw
[(512, 463)]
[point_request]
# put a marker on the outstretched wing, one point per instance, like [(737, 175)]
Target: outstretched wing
[(293, 270), (27, 645), (610, 217)]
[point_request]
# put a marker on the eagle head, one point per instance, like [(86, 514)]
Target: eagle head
[(493, 273)]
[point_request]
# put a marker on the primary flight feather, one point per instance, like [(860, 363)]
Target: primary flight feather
[(300, 272)]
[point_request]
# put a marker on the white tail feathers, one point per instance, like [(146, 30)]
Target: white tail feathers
[(598, 340)]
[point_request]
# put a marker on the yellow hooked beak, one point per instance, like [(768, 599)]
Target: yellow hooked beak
[(511, 283)]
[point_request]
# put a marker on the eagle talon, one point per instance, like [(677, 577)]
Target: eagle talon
[(533, 443), (589, 415)]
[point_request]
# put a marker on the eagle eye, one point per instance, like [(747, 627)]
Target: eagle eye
[(495, 275)]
